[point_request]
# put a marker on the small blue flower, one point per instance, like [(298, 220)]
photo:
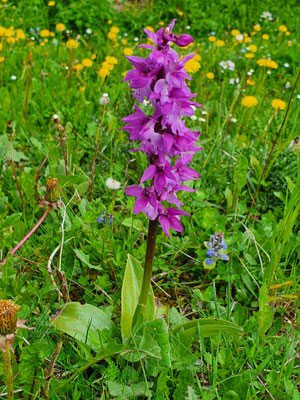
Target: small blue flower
[(216, 250), (105, 217)]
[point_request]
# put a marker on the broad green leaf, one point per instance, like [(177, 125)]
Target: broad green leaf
[(135, 390), (85, 323), (265, 313), (157, 330), (240, 174), (86, 259), (134, 223), (207, 327), (131, 289)]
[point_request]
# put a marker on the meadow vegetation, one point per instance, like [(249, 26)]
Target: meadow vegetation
[(225, 289)]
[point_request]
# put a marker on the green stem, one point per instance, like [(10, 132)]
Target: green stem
[(8, 372), (146, 284)]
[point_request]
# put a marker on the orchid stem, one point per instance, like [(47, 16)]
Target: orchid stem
[(146, 284), (8, 372), (15, 249)]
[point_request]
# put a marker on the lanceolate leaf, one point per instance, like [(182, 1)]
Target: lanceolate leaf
[(207, 327), (85, 323), (130, 294)]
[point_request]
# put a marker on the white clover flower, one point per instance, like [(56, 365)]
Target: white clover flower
[(202, 119), (104, 99), (88, 31), (286, 65), (298, 96), (204, 112), (234, 120), (13, 78), (188, 27), (125, 34), (239, 37), (287, 85), (231, 65), (55, 41), (224, 64), (193, 118), (237, 80), (231, 81), (136, 39), (56, 117), (112, 184)]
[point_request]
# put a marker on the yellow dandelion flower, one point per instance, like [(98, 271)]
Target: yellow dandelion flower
[(278, 104), (82, 89), (256, 28), (272, 64), (247, 40), (60, 27), (253, 33), (161, 23), (1, 46), (42, 44), (235, 32), (124, 42), (212, 38), (210, 75), (72, 44), (109, 22), (220, 43), (287, 33), (114, 29), (86, 62), (44, 33), (20, 34), (11, 40), (51, 3), (253, 48), (283, 28), (290, 43), (249, 55), (107, 65), (103, 73), (250, 82), (112, 36), (265, 36), (127, 51), (77, 67), (150, 28), (249, 101), (46, 40), (2, 59), (262, 62), (111, 59), (192, 65), (179, 12), (93, 57), (52, 34)]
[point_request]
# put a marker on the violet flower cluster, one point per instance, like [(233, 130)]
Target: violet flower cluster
[(167, 142), (216, 250)]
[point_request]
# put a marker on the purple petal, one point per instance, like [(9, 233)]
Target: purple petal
[(164, 224), (149, 173), (140, 205), (135, 191)]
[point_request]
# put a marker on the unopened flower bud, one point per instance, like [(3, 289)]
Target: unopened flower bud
[(8, 317), (52, 192)]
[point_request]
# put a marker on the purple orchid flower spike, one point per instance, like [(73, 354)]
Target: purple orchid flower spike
[(168, 144)]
